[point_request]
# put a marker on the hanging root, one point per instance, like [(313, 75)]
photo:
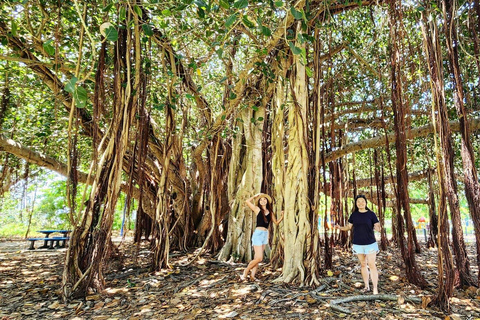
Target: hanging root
[(334, 304)]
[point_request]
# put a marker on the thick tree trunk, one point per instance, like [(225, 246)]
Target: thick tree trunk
[(163, 211), (90, 241), (297, 209), (445, 264), (278, 163), (446, 274), (316, 112), (434, 54), (244, 180), (403, 206), (472, 187)]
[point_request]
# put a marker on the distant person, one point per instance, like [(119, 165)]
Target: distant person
[(264, 214), (365, 246)]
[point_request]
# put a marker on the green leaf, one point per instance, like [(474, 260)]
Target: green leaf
[(260, 119), (420, 8), (232, 95), (122, 14), (107, 8), (81, 97), (147, 29), (230, 20), (303, 53), (266, 31), (49, 49), (14, 28), (278, 4), (201, 13), (240, 4), (296, 14), (159, 107), (111, 34), (70, 86), (295, 50), (309, 72), (247, 22), (301, 38), (225, 4), (201, 4), (166, 13), (137, 10)]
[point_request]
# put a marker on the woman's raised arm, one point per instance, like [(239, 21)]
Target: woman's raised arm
[(252, 206)]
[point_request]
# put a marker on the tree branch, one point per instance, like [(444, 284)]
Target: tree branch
[(380, 140), (388, 297), (42, 160), (30, 62), (15, 148)]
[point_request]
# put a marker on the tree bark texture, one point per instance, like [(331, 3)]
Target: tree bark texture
[(90, 239), (297, 226), (278, 162), (472, 187), (445, 263), (403, 206), (244, 180), (435, 61)]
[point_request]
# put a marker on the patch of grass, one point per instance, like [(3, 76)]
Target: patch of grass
[(13, 230)]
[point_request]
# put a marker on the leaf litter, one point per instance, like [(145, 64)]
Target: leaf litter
[(30, 288)]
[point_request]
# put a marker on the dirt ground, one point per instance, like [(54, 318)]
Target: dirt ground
[(30, 287)]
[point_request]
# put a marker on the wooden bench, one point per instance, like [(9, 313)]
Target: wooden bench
[(60, 242)]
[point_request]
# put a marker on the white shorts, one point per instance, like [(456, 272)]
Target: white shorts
[(365, 249)]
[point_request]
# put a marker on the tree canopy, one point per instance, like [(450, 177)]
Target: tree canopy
[(192, 106)]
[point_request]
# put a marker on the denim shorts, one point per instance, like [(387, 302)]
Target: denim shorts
[(366, 249), (260, 237)]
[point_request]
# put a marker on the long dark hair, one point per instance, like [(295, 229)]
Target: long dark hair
[(355, 208), (268, 208)]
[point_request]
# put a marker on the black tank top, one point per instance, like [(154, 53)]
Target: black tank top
[(261, 222)]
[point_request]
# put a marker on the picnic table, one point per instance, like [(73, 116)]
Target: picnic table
[(60, 242)]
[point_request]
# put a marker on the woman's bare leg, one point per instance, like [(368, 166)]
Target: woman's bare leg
[(256, 260), (364, 269), (253, 271), (371, 260)]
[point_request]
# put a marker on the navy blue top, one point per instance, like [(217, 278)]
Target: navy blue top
[(363, 227), (261, 222)]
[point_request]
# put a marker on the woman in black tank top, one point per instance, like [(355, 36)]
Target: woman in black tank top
[(264, 214)]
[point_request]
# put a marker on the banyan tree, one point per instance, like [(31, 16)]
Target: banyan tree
[(190, 107)]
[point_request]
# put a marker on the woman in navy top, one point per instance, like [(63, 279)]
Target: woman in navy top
[(364, 222), (264, 214)]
